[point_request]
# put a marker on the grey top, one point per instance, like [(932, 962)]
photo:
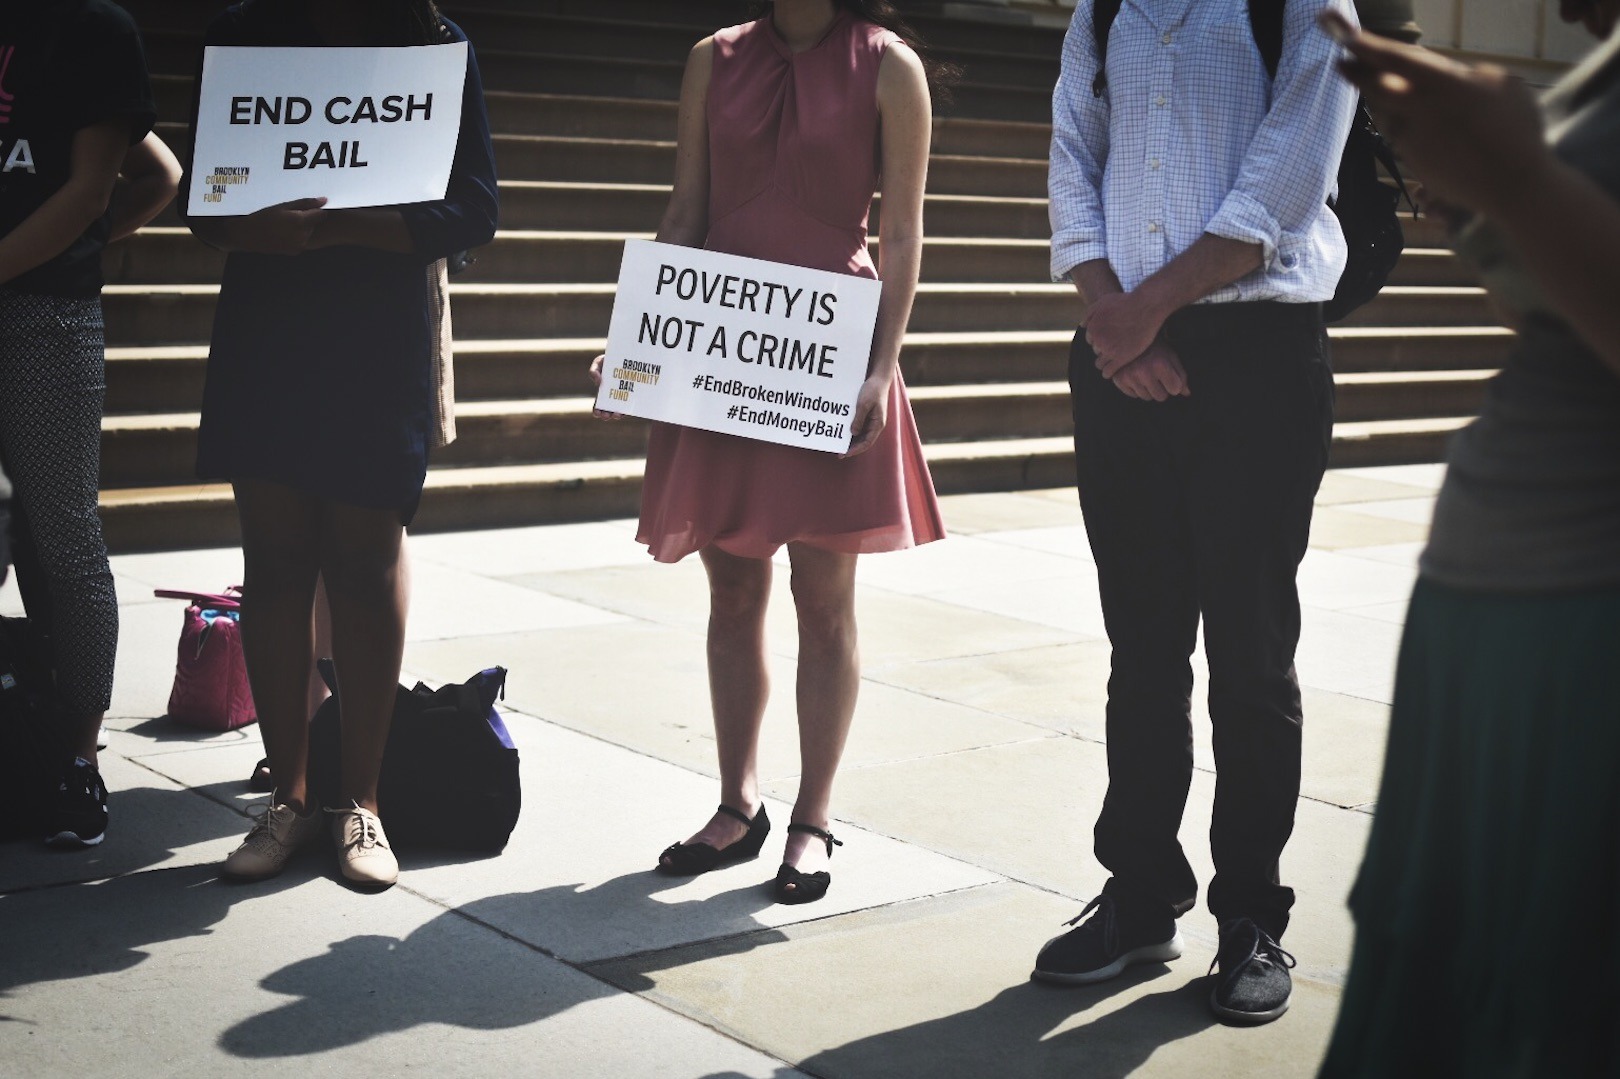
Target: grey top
[(1531, 500)]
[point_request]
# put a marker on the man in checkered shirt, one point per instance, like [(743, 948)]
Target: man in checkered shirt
[(1188, 201)]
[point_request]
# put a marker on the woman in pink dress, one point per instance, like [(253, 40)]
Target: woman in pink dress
[(788, 125)]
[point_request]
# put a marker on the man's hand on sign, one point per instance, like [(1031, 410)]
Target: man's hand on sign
[(596, 380), (1120, 327), (283, 229), (871, 414), (1156, 375)]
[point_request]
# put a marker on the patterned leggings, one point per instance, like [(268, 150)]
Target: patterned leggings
[(52, 383)]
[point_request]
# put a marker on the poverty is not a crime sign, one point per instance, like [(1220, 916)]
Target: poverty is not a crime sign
[(738, 345), (358, 126)]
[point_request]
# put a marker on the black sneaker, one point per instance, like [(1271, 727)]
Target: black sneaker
[(79, 817), (1252, 984), (1100, 949)]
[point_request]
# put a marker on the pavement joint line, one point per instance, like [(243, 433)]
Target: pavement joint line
[(1047, 735), (821, 922)]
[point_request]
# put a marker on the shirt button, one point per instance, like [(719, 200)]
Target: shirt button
[(1154, 162), (1153, 226), (1159, 101), (1167, 36)]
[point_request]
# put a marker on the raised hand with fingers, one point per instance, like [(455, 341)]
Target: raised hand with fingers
[(1474, 134)]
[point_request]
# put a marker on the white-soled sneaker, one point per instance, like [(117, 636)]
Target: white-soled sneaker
[(277, 833), (363, 851)]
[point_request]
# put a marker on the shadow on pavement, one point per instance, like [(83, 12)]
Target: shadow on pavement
[(1011, 1035), (147, 826), (454, 971), (82, 930)]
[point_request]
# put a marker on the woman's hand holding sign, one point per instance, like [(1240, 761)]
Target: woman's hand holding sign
[(596, 380), (871, 413), (283, 229)]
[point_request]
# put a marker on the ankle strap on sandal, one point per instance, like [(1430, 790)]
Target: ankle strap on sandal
[(732, 811), (820, 833)]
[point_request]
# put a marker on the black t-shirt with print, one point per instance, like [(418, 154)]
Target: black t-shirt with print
[(65, 65)]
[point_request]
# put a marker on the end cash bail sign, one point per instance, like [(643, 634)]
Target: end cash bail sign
[(359, 126), (738, 345)]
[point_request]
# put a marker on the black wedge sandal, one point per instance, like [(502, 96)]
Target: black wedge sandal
[(805, 887), (690, 859)]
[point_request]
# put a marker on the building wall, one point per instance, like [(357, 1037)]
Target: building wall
[(1526, 33)]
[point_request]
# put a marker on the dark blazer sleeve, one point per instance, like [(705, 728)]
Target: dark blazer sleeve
[(467, 215)]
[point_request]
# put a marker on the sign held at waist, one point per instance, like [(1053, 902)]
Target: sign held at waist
[(738, 345), (359, 126)]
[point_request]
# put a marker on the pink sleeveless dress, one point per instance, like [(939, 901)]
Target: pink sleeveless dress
[(793, 164)]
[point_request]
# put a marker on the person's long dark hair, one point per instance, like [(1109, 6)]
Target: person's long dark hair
[(406, 22), (941, 74)]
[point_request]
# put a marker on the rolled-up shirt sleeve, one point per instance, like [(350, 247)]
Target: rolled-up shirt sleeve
[(1079, 153), (468, 214), (1292, 163)]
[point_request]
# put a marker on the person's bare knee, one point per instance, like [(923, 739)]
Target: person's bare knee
[(739, 588), (823, 586), (360, 557)]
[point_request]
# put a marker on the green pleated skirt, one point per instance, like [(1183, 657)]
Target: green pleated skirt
[(1487, 936)]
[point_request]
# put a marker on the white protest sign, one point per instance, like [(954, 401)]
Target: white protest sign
[(360, 126), (738, 345)]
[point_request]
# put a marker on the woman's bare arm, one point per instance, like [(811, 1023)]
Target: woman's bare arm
[(61, 219), (147, 182), (907, 118)]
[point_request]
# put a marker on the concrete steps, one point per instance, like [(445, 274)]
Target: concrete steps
[(182, 314), (536, 256), (151, 518), (581, 95), (167, 378)]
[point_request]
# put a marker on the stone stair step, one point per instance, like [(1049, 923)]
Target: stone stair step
[(168, 378), (165, 254), (553, 70), (160, 448), (1408, 395), (202, 515), (600, 117), (183, 314)]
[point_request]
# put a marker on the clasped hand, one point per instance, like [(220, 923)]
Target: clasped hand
[(1124, 332)]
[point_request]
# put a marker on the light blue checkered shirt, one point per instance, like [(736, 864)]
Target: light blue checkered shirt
[(1192, 136)]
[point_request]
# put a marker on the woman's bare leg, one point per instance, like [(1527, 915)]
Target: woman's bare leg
[(361, 553), (281, 530), (828, 680), (739, 589)]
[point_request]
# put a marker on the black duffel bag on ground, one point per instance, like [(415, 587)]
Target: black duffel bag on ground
[(449, 771)]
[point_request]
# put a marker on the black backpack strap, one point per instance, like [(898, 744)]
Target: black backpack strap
[(1102, 20), (1266, 23)]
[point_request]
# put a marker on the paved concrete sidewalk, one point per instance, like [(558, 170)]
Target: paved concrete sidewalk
[(972, 778)]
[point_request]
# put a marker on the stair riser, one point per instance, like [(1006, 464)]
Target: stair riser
[(144, 458), (613, 76), (172, 385), (139, 458), (212, 522), (1355, 402), (169, 318), (157, 259)]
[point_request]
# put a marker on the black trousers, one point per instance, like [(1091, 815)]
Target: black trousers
[(1201, 506)]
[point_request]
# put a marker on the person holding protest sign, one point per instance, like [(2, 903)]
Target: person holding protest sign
[(319, 410), (787, 125), (74, 100)]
